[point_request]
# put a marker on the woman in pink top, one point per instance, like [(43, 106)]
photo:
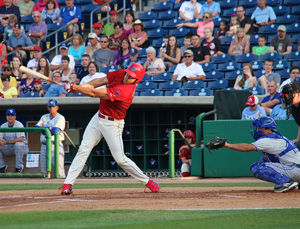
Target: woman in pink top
[(201, 25), (41, 4)]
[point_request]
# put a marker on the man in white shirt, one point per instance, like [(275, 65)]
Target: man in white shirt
[(37, 53), (190, 10), (93, 74), (56, 63), (188, 70), (294, 72)]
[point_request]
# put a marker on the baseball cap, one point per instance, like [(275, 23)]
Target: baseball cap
[(281, 28), (188, 51), (113, 12), (37, 48), (97, 25), (92, 35), (11, 111), (37, 81), (52, 103), (63, 46), (133, 52), (252, 100)]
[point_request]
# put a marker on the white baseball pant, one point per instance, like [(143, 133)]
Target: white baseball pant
[(112, 132)]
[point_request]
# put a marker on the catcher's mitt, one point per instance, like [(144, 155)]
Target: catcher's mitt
[(215, 143)]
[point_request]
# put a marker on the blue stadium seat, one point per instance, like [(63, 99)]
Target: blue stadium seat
[(157, 33), (218, 84), (86, 9), (146, 85), (180, 41), (136, 93), (147, 78), (291, 2), (256, 65), (284, 74), (142, 52), (249, 11), (232, 75), (156, 43), (257, 90), (163, 77), (162, 6), (295, 10), (207, 67), (270, 38), (247, 3), (226, 4), (220, 59), (81, 2), (271, 55), (296, 38), (226, 40), (201, 92), (171, 69), (292, 56), (286, 19), (176, 6), (152, 92), (171, 24), (27, 19), (274, 2), (193, 84), (293, 28), (246, 58), (268, 29), (169, 85), (167, 15), (281, 10), (74, 94), (215, 74), (258, 73), (280, 65), (176, 92), (111, 68), (228, 67), (254, 39), (152, 24), (228, 12), (179, 32), (217, 22), (148, 15), (27, 26)]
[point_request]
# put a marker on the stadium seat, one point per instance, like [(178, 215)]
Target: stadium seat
[(176, 92), (296, 38), (257, 90), (284, 74), (157, 33), (286, 19), (152, 92), (27, 19), (228, 67), (218, 84), (147, 78), (258, 73), (268, 29), (280, 10), (220, 59), (171, 69), (142, 52), (232, 75), (254, 39), (226, 40), (274, 2), (169, 85), (292, 56), (217, 22), (86, 9), (148, 15), (280, 65), (146, 85), (249, 11), (152, 24), (196, 84), (291, 2), (226, 4), (256, 65), (181, 32), (295, 10), (163, 77), (167, 15), (162, 6), (207, 67), (228, 12), (82, 2), (248, 3), (201, 92), (171, 24), (246, 58), (271, 55), (215, 74), (156, 43), (293, 28), (176, 6)]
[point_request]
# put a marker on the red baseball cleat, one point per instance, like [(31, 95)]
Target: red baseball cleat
[(66, 189), (152, 185)]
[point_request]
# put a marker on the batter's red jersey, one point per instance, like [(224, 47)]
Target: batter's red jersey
[(184, 153), (120, 96)]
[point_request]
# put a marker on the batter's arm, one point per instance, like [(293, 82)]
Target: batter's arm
[(98, 82), (242, 147), (89, 90)]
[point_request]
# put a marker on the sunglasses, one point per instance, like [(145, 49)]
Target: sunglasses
[(206, 17), (187, 56), (103, 41)]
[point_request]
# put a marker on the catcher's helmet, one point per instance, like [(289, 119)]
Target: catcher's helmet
[(136, 71), (189, 133), (262, 122)]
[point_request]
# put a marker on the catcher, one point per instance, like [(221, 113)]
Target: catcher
[(281, 161), (185, 153)]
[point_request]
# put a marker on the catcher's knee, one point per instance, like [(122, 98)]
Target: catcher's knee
[(185, 170)]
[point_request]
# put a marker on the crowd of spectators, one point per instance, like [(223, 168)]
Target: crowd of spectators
[(120, 42)]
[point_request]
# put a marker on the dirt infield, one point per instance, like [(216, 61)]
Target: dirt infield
[(135, 198)]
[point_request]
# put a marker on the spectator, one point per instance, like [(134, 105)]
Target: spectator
[(133, 58), (15, 70), (128, 25), (105, 8), (66, 70), (77, 48), (281, 43), (187, 41), (104, 56), (51, 13), (278, 112), (245, 22), (56, 63), (262, 48), (42, 4), (19, 41), (223, 29), (73, 78), (188, 70), (44, 68), (213, 7), (116, 38), (234, 25), (185, 153), (153, 65), (6, 71), (97, 28), (8, 30), (39, 30), (123, 53), (52, 89), (200, 25), (240, 44), (7, 90), (37, 83), (82, 70), (93, 74), (212, 43), (9, 9), (37, 54), (190, 10), (247, 79), (26, 85), (294, 72), (138, 39), (3, 50), (201, 53), (25, 7), (269, 75), (172, 55), (70, 15), (93, 46), (271, 100), (263, 15), (253, 110), (109, 27), (12, 143)]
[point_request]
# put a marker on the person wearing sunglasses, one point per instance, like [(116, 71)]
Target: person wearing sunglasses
[(104, 56)]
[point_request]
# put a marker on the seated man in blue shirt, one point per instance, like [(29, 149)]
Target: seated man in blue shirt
[(54, 90), (263, 15), (272, 99), (253, 109), (213, 7), (9, 9)]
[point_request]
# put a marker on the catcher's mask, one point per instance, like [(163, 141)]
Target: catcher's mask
[(189, 133), (286, 94), (259, 124)]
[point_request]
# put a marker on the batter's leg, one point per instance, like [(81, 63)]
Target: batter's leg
[(112, 132), (61, 161), (91, 137)]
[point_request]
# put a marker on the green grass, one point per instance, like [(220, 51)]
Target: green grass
[(7, 187), (158, 219)]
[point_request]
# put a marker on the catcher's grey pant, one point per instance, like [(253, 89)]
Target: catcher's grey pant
[(112, 132), (19, 149), (61, 159), (292, 172)]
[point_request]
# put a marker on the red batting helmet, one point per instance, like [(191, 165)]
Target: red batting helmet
[(189, 133), (136, 71)]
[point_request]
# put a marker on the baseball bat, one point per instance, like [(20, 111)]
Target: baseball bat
[(38, 75), (183, 138)]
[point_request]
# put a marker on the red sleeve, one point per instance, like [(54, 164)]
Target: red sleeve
[(123, 93)]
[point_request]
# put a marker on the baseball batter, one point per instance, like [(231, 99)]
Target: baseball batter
[(185, 153), (55, 122), (108, 122), (281, 161)]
